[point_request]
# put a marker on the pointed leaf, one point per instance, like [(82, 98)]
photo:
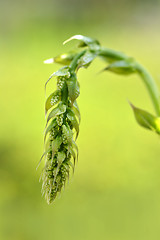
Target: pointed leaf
[(47, 144), (76, 110), (52, 100), (61, 72), (73, 154), (51, 125), (76, 148), (73, 88), (71, 116), (72, 166), (61, 108), (85, 41), (61, 157), (67, 132), (123, 67), (86, 59), (55, 145), (66, 166), (44, 154), (146, 119)]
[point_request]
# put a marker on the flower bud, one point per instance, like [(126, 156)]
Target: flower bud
[(65, 58)]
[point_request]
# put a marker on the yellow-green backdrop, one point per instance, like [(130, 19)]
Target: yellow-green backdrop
[(115, 191)]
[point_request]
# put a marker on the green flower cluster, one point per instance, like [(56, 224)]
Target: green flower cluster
[(63, 119)]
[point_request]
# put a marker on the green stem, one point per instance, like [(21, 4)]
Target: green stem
[(74, 62), (150, 85), (111, 54), (149, 82)]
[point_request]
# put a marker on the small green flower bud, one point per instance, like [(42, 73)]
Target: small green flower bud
[(65, 58), (67, 134), (60, 82), (59, 119), (52, 100)]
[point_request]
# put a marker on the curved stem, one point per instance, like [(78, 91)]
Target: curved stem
[(74, 62), (112, 55), (150, 85)]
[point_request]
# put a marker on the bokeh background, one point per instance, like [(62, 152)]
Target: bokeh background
[(115, 191)]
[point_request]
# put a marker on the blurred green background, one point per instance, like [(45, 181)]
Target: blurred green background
[(115, 191)]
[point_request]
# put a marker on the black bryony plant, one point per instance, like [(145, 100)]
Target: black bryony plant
[(63, 115)]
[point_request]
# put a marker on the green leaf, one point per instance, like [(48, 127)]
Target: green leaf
[(124, 67), (67, 132), (73, 154), (146, 119), (61, 108), (76, 110), (51, 125), (71, 116), (72, 166), (61, 72), (47, 144), (55, 145), (64, 93), (86, 59), (44, 154), (60, 157), (73, 88), (84, 41), (52, 100), (66, 167), (76, 148)]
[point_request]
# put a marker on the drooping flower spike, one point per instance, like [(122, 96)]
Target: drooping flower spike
[(63, 114)]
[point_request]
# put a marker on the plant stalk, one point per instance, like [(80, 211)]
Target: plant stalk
[(74, 62), (150, 85), (143, 73)]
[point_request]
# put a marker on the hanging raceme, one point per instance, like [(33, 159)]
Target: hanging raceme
[(63, 115)]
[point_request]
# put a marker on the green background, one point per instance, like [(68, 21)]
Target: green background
[(115, 191)]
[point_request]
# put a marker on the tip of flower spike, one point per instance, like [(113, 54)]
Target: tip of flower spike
[(48, 61)]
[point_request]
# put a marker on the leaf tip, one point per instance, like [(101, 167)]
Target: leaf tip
[(78, 37), (131, 104)]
